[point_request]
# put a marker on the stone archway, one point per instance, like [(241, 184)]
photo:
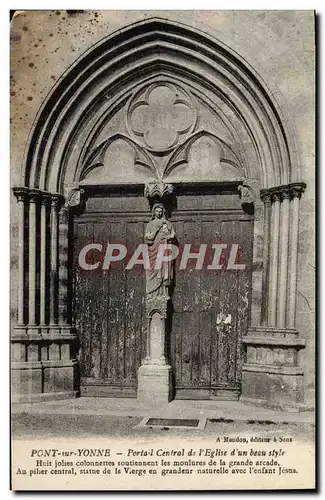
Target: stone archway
[(81, 122)]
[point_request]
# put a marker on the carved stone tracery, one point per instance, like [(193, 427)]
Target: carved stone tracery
[(160, 115), (162, 126)]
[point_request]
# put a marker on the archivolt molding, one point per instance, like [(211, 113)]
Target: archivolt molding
[(115, 64)]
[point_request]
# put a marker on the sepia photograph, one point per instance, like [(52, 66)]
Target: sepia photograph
[(162, 250)]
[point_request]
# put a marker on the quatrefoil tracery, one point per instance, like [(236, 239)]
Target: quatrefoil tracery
[(162, 120), (160, 115)]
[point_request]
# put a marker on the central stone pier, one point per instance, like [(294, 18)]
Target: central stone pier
[(155, 374)]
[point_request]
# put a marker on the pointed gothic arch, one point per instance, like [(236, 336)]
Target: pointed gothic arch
[(105, 75)]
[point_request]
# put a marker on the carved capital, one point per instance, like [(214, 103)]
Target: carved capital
[(280, 193), (56, 200), (287, 191), (30, 194), (275, 196), (46, 199), (285, 194), (296, 189), (246, 194), (34, 196), (21, 193), (74, 198), (156, 304), (266, 196), (157, 189), (277, 193)]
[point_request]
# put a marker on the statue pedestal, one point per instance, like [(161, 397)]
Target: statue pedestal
[(155, 374), (155, 383)]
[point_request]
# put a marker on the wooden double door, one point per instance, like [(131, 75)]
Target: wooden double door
[(210, 307)]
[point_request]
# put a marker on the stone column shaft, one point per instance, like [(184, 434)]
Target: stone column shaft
[(296, 191), (43, 259), (157, 337), (274, 245), (63, 265), (280, 254), (32, 262), (283, 269), (54, 262), (21, 258), (266, 198)]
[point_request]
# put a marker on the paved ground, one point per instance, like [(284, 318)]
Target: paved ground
[(26, 426), (120, 417), (177, 408)]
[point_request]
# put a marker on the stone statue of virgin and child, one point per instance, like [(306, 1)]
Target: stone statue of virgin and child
[(159, 231)]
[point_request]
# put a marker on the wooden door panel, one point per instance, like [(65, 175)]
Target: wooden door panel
[(205, 355), (134, 310), (98, 318), (109, 311), (205, 349), (116, 308), (208, 355), (228, 305), (244, 291), (83, 296)]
